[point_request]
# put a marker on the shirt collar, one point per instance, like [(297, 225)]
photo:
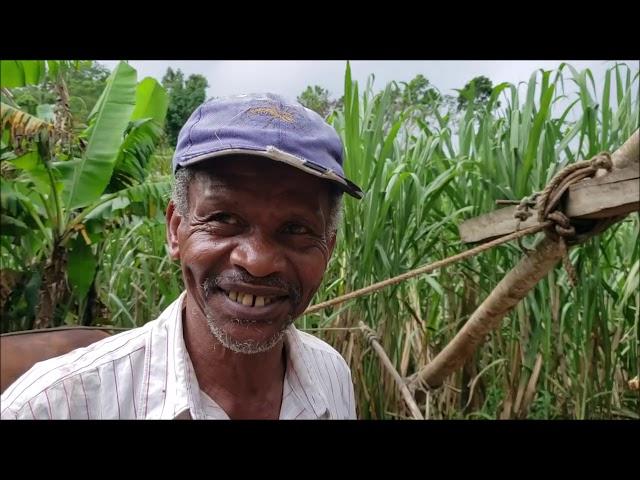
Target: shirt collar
[(170, 387)]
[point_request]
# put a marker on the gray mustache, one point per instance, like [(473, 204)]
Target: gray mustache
[(213, 282)]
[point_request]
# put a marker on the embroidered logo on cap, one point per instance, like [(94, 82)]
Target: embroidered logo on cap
[(273, 112)]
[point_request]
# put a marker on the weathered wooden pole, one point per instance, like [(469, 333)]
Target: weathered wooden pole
[(524, 276)]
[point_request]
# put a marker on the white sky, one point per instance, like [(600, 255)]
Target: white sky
[(290, 78)]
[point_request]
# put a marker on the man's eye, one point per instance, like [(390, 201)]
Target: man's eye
[(296, 229), (225, 218)]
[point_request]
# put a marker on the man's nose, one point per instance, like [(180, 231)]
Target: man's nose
[(259, 256)]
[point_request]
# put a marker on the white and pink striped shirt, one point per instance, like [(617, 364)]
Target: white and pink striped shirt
[(146, 373)]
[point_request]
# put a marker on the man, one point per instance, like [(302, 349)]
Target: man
[(258, 186)]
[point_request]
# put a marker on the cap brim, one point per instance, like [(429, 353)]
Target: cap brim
[(277, 155)]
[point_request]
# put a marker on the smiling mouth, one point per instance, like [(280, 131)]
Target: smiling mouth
[(250, 300)]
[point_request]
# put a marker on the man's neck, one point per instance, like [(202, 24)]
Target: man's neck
[(230, 378)]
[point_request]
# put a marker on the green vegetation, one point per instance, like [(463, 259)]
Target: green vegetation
[(82, 215)]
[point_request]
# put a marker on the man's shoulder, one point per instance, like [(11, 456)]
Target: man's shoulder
[(87, 378), (55, 372), (316, 346), (128, 346), (328, 374)]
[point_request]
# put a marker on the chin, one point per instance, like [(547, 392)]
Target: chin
[(247, 337)]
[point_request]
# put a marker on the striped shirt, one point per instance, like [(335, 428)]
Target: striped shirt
[(146, 373)]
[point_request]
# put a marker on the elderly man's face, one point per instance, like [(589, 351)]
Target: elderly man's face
[(253, 249)]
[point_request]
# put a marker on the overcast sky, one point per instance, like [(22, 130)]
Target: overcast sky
[(290, 78)]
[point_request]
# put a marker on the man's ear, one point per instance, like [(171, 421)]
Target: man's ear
[(173, 222)]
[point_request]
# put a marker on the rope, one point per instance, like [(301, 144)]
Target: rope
[(549, 218), (549, 201), (525, 275), (522, 213), (427, 268), (552, 193)]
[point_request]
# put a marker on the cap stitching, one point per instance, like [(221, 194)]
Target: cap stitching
[(191, 130)]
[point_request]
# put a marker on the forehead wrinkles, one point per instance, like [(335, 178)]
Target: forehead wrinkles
[(232, 186)]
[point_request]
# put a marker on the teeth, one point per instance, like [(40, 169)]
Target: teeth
[(247, 299), (250, 300)]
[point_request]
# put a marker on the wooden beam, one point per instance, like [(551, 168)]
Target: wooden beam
[(616, 193), (619, 187), (607, 194), (491, 225)]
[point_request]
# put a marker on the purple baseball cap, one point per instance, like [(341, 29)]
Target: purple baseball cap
[(265, 125)]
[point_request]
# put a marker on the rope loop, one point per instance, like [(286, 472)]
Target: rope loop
[(549, 200)]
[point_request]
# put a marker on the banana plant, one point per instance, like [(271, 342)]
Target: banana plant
[(62, 192)]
